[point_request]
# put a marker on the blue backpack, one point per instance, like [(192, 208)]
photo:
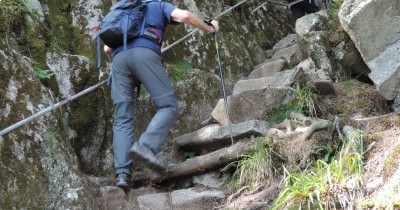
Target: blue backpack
[(124, 22)]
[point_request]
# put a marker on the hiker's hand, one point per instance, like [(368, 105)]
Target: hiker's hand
[(108, 50), (215, 24)]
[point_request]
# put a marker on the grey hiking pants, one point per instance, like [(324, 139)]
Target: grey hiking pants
[(144, 65)]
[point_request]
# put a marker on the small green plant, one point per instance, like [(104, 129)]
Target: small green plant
[(180, 70), (43, 74), (303, 102), (283, 112), (327, 151), (254, 170), (323, 187), (335, 6)]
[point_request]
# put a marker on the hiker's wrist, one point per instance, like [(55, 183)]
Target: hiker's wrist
[(211, 29)]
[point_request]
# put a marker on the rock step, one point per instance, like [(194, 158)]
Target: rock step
[(286, 42), (293, 54), (268, 68), (250, 105), (197, 198), (193, 199), (280, 79), (216, 136)]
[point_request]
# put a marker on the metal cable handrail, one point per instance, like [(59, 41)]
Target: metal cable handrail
[(94, 87)]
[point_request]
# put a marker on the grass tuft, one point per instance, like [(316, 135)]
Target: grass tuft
[(304, 102), (327, 185), (254, 170)]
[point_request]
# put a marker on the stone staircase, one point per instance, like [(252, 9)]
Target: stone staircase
[(267, 87)]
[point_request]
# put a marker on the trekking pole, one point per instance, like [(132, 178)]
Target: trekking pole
[(223, 85)]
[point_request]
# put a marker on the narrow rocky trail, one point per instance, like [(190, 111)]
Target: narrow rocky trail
[(267, 87)]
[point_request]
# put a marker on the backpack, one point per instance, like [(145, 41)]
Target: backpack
[(124, 22)]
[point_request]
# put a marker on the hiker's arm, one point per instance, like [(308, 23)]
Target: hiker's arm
[(184, 16)]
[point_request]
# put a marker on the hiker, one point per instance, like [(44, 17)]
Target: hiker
[(141, 62), (302, 8)]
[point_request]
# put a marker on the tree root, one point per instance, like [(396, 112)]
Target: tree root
[(304, 132), (203, 163)]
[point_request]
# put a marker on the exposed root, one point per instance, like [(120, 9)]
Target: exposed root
[(203, 163), (304, 132)]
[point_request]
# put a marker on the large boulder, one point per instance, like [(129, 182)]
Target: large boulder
[(377, 39), (268, 68), (286, 42), (317, 78), (250, 105), (196, 96), (313, 29), (87, 122), (39, 169), (293, 54), (69, 71), (280, 79)]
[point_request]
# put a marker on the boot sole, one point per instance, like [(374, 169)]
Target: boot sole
[(123, 185), (138, 152)]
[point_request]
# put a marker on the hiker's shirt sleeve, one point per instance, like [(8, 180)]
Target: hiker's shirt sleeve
[(168, 8)]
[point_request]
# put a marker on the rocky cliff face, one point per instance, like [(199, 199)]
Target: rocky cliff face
[(44, 164), (38, 166), (47, 155)]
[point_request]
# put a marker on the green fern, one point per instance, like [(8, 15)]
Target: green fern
[(42, 74)]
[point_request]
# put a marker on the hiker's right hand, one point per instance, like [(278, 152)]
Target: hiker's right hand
[(215, 23), (108, 50)]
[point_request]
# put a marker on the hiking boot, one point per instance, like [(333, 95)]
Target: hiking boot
[(145, 154), (123, 180)]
